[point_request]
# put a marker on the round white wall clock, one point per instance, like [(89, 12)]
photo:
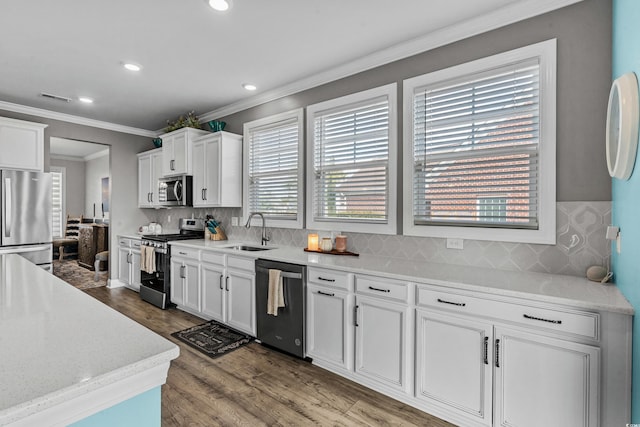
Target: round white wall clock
[(622, 126)]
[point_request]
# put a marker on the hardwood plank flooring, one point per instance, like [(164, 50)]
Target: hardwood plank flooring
[(254, 385)]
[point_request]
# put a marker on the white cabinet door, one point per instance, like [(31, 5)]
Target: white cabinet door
[(179, 154), (454, 363), (135, 269), (327, 325), (541, 381), (156, 173), (145, 190), (382, 341), (212, 172), (192, 285), (177, 284), (21, 145), (199, 173), (124, 266), (213, 293), (241, 306)]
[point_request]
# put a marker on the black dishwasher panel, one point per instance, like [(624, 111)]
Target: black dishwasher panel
[(286, 330)]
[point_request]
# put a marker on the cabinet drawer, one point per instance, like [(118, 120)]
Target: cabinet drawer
[(213, 257), (241, 263), (336, 279), (123, 242), (135, 244), (562, 321), (383, 288), (182, 252)]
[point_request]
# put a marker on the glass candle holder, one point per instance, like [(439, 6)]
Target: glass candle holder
[(312, 242)]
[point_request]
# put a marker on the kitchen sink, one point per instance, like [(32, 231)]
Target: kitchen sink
[(247, 248)]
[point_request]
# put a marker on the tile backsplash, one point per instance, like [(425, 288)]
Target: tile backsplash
[(581, 229)]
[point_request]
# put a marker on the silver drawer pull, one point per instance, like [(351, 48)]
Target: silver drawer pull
[(379, 290), (326, 280), (326, 293), (459, 304), (555, 322)]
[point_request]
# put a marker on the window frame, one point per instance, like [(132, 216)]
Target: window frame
[(248, 127), (63, 195), (388, 227), (545, 52)]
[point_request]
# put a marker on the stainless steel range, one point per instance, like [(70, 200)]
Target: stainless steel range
[(156, 272)]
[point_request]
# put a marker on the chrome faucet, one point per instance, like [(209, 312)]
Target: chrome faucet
[(265, 238)]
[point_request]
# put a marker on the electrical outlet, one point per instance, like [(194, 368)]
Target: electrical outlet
[(234, 221), (455, 243)]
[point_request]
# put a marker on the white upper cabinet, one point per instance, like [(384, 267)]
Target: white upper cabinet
[(177, 151), (21, 145), (149, 170), (217, 170)]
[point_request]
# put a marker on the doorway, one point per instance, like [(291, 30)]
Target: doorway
[(81, 195)]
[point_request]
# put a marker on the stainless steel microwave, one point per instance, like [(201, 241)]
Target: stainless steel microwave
[(175, 191)]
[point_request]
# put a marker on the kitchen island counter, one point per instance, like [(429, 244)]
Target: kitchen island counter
[(66, 356)]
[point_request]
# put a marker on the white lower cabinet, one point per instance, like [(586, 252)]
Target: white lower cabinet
[(327, 325), (454, 363), (542, 381), (240, 284), (215, 286), (213, 291), (382, 341), (129, 263), (185, 282)]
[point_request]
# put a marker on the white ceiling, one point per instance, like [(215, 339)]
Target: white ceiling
[(195, 58)]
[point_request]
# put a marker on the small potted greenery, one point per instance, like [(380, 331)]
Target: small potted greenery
[(190, 121)]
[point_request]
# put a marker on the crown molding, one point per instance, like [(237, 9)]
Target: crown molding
[(48, 114), (502, 17)]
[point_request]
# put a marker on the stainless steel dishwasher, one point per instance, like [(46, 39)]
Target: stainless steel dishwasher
[(286, 330)]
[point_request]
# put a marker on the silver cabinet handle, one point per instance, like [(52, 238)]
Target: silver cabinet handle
[(8, 207), (459, 304), (171, 165), (326, 293), (151, 194), (202, 194), (497, 353), (355, 316), (221, 276), (556, 322), (182, 271), (226, 283), (486, 350), (205, 193), (379, 289)]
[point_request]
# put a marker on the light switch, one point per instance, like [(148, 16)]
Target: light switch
[(234, 221)]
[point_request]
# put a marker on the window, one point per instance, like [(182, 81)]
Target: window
[(480, 149), (273, 181), (57, 200), (351, 159)]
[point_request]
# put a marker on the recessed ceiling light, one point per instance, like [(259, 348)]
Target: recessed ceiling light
[(249, 86), (131, 66), (220, 5), (85, 100)]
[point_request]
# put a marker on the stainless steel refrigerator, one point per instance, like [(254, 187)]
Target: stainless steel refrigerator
[(25, 216)]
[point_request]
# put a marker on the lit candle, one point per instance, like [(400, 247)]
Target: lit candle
[(312, 242)]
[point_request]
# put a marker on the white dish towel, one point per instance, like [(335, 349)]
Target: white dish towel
[(275, 297), (147, 259)]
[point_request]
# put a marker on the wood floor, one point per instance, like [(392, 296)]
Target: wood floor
[(256, 386)]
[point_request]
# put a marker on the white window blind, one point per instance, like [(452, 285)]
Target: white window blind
[(351, 162), (57, 201), (273, 163), (476, 143)]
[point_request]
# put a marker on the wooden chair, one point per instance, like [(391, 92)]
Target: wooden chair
[(68, 245)]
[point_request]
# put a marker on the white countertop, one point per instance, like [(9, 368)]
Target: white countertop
[(57, 343), (573, 291)]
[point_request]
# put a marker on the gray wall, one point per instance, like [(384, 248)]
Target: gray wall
[(75, 188), (584, 77), (125, 215), (97, 169)]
